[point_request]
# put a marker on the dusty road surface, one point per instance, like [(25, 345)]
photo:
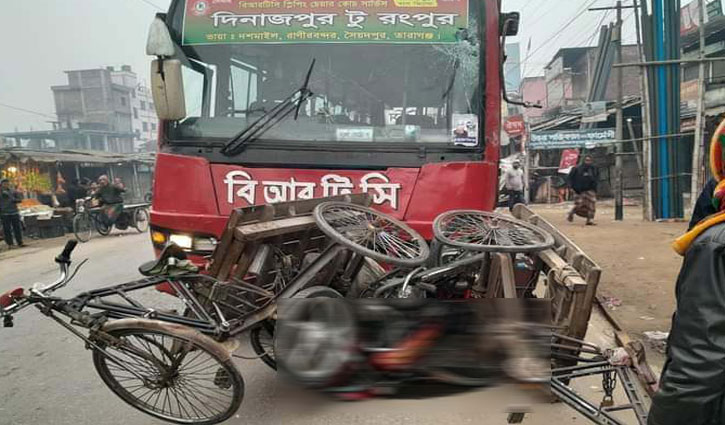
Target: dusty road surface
[(47, 377), (639, 266)]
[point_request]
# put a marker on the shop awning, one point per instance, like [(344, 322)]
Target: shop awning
[(72, 156)]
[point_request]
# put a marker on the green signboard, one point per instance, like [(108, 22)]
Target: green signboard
[(563, 139), (323, 21)]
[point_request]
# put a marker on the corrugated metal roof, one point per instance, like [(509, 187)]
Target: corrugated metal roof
[(557, 121), (73, 156)]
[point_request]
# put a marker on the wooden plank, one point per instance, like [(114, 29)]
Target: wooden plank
[(223, 245), (524, 213), (257, 231), (569, 276), (508, 280), (493, 286), (245, 259), (228, 261), (583, 309)]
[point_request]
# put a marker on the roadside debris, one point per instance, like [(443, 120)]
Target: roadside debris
[(657, 340), (612, 302)]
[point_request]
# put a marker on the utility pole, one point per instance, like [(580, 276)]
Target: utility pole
[(646, 131), (618, 173), (699, 119), (618, 200)]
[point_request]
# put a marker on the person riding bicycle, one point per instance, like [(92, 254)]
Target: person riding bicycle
[(110, 198)]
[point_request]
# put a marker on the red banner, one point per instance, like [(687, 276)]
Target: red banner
[(514, 126), (569, 159)]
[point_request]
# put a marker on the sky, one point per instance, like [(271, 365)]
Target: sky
[(42, 38)]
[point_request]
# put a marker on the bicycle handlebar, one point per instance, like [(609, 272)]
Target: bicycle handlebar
[(64, 256), (63, 260)]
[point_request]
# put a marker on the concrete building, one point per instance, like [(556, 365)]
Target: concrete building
[(569, 73), (145, 122), (143, 116), (107, 100), (533, 90)]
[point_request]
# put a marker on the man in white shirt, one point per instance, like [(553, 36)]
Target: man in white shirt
[(514, 184)]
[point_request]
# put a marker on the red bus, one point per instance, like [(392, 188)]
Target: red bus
[(268, 101)]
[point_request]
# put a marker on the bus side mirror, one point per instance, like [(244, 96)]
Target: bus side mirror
[(509, 23), (167, 89), (159, 41)]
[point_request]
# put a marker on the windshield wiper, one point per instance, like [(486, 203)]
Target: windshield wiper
[(238, 143)]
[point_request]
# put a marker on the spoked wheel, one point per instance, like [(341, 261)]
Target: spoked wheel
[(262, 339), (141, 220), (82, 227), (103, 228), (485, 231), (315, 337), (168, 371), (371, 233)]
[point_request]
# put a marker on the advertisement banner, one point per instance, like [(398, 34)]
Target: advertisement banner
[(563, 139), (569, 159), (514, 125), (323, 21)]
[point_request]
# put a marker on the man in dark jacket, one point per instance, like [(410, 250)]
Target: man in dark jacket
[(583, 179), (692, 385), (9, 214), (110, 198)]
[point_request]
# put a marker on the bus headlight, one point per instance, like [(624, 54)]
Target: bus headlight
[(204, 244), (184, 241)]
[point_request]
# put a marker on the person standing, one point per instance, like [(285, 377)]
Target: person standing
[(9, 213), (692, 384), (583, 179), (514, 185)]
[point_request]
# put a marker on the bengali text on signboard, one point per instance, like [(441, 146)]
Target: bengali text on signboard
[(563, 139), (323, 21)]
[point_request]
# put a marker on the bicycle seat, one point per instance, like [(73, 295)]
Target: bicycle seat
[(162, 265)]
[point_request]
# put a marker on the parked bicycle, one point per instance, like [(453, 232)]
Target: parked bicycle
[(89, 219)]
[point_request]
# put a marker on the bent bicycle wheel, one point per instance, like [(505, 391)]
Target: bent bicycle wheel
[(171, 372), (484, 231), (262, 340), (371, 233), (82, 227)]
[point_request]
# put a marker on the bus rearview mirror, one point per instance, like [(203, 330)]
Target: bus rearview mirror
[(167, 89), (159, 41)]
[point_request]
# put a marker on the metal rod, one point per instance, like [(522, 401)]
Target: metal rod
[(699, 118), (613, 7), (667, 62), (618, 172)]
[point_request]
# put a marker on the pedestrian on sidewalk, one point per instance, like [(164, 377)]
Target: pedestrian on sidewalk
[(514, 185), (692, 384), (9, 213), (583, 179)]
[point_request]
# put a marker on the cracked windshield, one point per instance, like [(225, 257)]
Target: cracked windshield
[(377, 77)]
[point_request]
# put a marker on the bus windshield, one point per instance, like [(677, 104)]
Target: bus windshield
[(403, 82)]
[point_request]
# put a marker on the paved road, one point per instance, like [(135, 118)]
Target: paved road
[(47, 377)]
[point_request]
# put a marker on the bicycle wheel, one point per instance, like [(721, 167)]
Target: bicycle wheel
[(141, 220), (82, 227), (171, 372), (485, 231), (371, 233), (101, 226), (262, 340)]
